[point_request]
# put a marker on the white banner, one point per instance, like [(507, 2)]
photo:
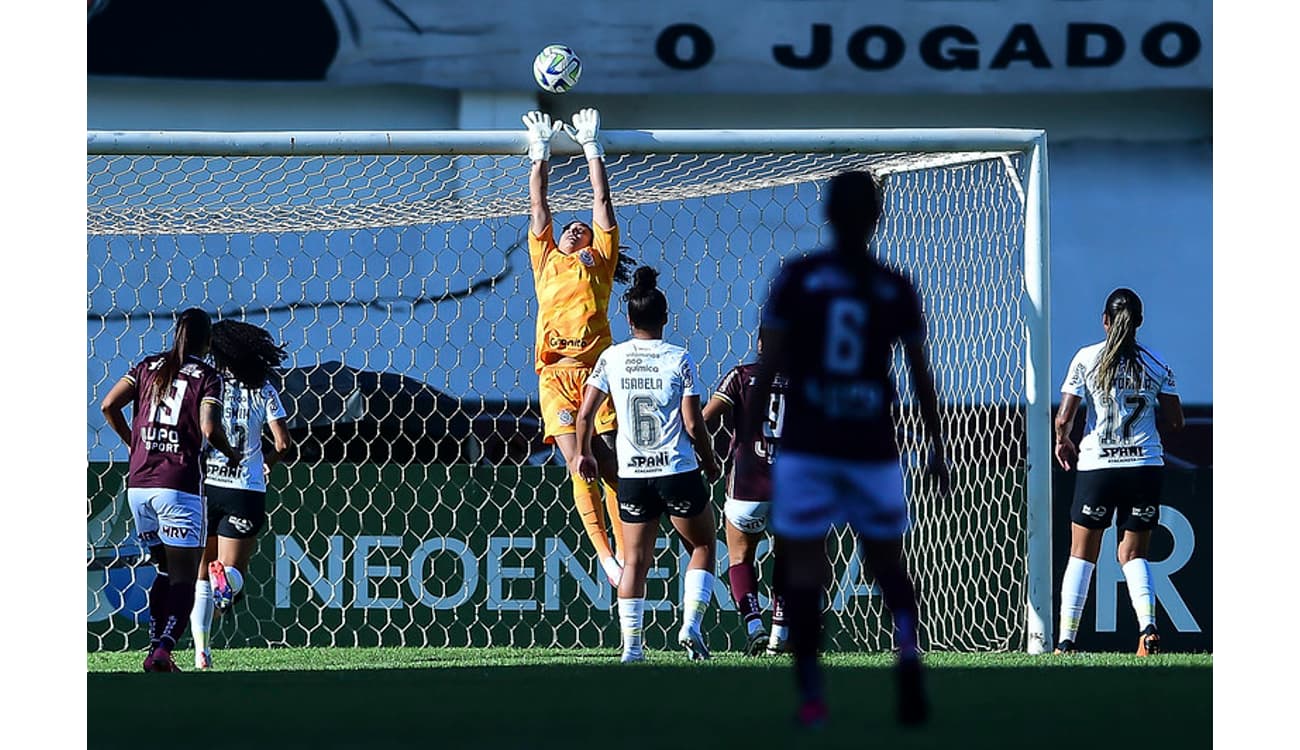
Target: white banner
[(783, 46)]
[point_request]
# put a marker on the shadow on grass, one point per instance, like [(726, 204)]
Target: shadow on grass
[(659, 706)]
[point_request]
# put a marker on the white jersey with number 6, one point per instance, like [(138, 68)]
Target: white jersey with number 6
[(1121, 428), (647, 379), (244, 411)]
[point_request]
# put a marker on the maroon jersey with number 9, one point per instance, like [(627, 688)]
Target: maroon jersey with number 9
[(166, 441)]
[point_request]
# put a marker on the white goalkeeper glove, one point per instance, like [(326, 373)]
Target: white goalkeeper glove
[(540, 131), (584, 131)]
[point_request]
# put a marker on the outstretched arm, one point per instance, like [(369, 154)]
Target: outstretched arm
[(540, 130), (585, 131), (538, 179)]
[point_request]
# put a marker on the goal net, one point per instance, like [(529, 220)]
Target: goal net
[(422, 507)]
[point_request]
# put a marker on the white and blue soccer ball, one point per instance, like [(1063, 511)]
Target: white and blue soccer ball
[(557, 68)]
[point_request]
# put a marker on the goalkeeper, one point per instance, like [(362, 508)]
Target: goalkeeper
[(574, 277)]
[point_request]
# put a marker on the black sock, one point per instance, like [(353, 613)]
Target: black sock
[(900, 596), (180, 602), (803, 615), (158, 609)]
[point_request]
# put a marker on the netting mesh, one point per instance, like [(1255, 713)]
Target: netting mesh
[(422, 508)]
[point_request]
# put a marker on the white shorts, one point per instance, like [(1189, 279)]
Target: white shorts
[(749, 516), (811, 494), (170, 517)]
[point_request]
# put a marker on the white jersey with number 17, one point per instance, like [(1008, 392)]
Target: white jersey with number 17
[(647, 380), (1121, 426)]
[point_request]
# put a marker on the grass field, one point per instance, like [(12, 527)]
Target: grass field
[(554, 698)]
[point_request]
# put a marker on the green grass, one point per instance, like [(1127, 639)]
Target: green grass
[(570, 698)]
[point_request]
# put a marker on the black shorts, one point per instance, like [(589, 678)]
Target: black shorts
[(234, 514), (1130, 494), (644, 499)]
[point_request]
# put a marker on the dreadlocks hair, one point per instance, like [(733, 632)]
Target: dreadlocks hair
[(246, 351), (193, 333), (647, 307), (1123, 311), (623, 269)]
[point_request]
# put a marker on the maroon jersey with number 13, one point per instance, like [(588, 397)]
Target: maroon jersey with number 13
[(166, 442)]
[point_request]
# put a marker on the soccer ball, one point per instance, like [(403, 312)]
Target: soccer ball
[(557, 68)]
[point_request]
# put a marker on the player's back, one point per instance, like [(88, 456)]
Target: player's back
[(244, 413), (753, 441), (840, 321), (166, 438)]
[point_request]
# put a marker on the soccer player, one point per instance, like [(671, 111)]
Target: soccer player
[(652, 385), (574, 277), (829, 326), (176, 403), (246, 356), (749, 495), (1130, 395)]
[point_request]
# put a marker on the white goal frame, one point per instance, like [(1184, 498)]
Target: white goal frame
[(1030, 143)]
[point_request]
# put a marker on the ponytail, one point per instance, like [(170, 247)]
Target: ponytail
[(647, 307), (1124, 311), (193, 333)]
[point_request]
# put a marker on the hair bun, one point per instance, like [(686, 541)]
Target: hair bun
[(645, 279)]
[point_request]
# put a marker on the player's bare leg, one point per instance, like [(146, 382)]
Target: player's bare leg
[(585, 498), (741, 573), (698, 534), (1132, 554), (804, 577), (886, 561), (638, 554), (1085, 546)]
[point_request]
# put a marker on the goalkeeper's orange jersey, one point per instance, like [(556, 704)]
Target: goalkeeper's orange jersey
[(573, 296)]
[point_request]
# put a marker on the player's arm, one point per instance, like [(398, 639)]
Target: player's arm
[(1067, 453), (1169, 410), (540, 130), (715, 410), (283, 442), (584, 464), (121, 394), (918, 362), (215, 432), (585, 131), (694, 422)]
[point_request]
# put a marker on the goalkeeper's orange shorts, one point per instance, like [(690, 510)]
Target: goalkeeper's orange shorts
[(561, 394)]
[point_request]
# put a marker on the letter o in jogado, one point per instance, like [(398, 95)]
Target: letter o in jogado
[(469, 573)]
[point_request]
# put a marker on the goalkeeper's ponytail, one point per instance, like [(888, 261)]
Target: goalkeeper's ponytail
[(647, 307)]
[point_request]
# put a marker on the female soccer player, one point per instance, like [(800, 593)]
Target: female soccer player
[(652, 386), (246, 357), (829, 326), (574, 278), (1130, 394), (176, 402), (749, 495)]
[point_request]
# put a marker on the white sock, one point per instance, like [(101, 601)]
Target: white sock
[(696, 593), (201, 615), (1074, 593), (629, 623), (780, 633), (1138, 575)]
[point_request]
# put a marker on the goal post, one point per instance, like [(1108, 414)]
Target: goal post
[(422, 509)]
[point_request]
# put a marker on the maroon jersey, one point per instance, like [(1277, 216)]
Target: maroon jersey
[(753, 442), (840, 325), (166, 442)]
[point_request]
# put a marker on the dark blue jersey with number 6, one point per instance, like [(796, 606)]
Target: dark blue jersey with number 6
[(840, 321)]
